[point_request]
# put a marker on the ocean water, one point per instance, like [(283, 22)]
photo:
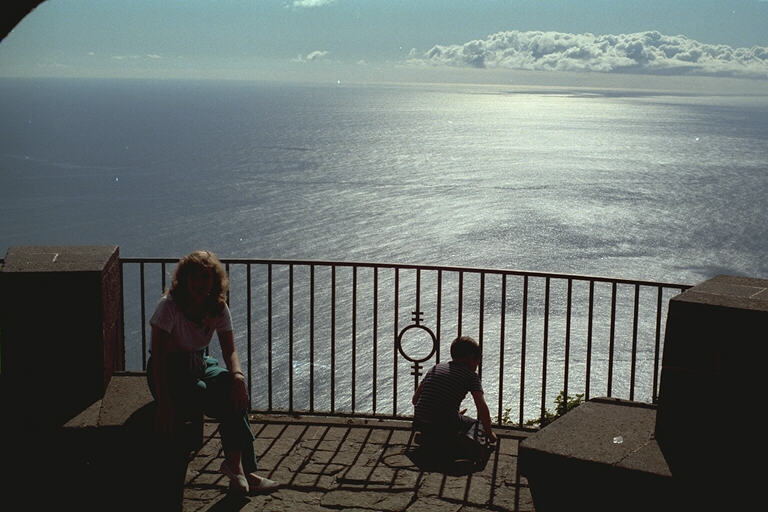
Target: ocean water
[(641, 186), (648, 187)]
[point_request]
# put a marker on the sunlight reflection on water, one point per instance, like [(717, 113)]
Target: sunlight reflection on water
[(669, 189)]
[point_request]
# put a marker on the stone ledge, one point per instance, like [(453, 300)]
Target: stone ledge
[(601, 455), (735, 292), (39, 258), (126, 393)]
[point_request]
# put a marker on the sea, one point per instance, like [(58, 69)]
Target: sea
[(662, 186)]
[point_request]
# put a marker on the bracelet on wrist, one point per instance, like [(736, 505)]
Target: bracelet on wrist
[(239, 373)]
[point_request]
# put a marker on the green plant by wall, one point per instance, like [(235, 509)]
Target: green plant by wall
[(563, 404)]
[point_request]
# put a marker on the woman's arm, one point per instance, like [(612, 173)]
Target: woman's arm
[(165, 410), (232, 360)]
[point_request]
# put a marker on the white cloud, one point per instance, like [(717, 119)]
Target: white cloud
[(315, 55), (152, 56), (311, 3), (643, 52)]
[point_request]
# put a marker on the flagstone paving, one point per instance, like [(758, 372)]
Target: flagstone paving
[(356, 465)]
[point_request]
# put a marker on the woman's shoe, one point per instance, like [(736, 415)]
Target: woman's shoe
[(261, 485), (237, 480)]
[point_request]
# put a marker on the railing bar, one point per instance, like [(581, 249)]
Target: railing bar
[(634, 345), (226, 268), (589, 337), (354, 335), (439, 311), (333, 339), (522, 347), (375, 332), (657, 346), (617, 326), (249, 330), (290, 338), (143, 320), (418, 291), (394, 357), (269, 336), (312, 338), (612, 339), (567, 337), (480, 322), (451, 268), (461, 301), (122, 310), (501, 345), (544, 349)]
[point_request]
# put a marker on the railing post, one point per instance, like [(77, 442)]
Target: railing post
[(375, 332), (269, 337), (311, 338), (524, 312), (501, 343), (249, 330)]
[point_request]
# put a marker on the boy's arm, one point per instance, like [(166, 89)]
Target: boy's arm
[(483, 414), (416, 395)]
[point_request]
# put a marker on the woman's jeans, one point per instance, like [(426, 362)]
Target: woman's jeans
[(197, 384)]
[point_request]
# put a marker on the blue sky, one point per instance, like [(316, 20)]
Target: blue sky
[(375, 40)]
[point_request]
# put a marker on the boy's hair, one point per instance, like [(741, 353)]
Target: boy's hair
[(465, 346)]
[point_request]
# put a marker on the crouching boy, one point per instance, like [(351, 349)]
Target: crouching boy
[(439, 396)]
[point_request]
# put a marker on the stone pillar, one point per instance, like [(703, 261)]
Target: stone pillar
[(700, 448), (712, 385), (60, 329)]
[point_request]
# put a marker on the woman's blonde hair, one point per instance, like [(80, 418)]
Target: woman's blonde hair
[(200, 261)]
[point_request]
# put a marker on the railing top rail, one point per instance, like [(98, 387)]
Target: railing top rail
[(412, 266)]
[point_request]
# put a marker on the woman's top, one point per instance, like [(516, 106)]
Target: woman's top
[(185, 334)]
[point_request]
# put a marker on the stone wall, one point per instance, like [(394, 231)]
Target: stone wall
[(61, 330)]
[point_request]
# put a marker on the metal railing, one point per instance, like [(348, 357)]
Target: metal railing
[(353, 338)]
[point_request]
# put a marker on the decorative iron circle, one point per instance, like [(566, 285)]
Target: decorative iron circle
[(400, 343)]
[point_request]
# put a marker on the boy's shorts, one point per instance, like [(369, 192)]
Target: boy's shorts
[(463, 439)]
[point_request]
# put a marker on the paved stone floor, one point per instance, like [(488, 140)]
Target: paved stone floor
[(331, 464)]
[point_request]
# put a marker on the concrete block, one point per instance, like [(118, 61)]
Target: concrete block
[(61, 324), (713, 362), (600, 456)]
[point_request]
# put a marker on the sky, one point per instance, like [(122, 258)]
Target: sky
[(609, 42)]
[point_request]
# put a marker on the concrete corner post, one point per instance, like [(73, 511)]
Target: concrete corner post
[(712, 385), (60, 330), (699, 448)]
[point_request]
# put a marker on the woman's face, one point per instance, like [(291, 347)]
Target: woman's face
[(200, 284)]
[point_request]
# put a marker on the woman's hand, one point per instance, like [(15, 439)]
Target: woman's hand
[(239, 393)]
